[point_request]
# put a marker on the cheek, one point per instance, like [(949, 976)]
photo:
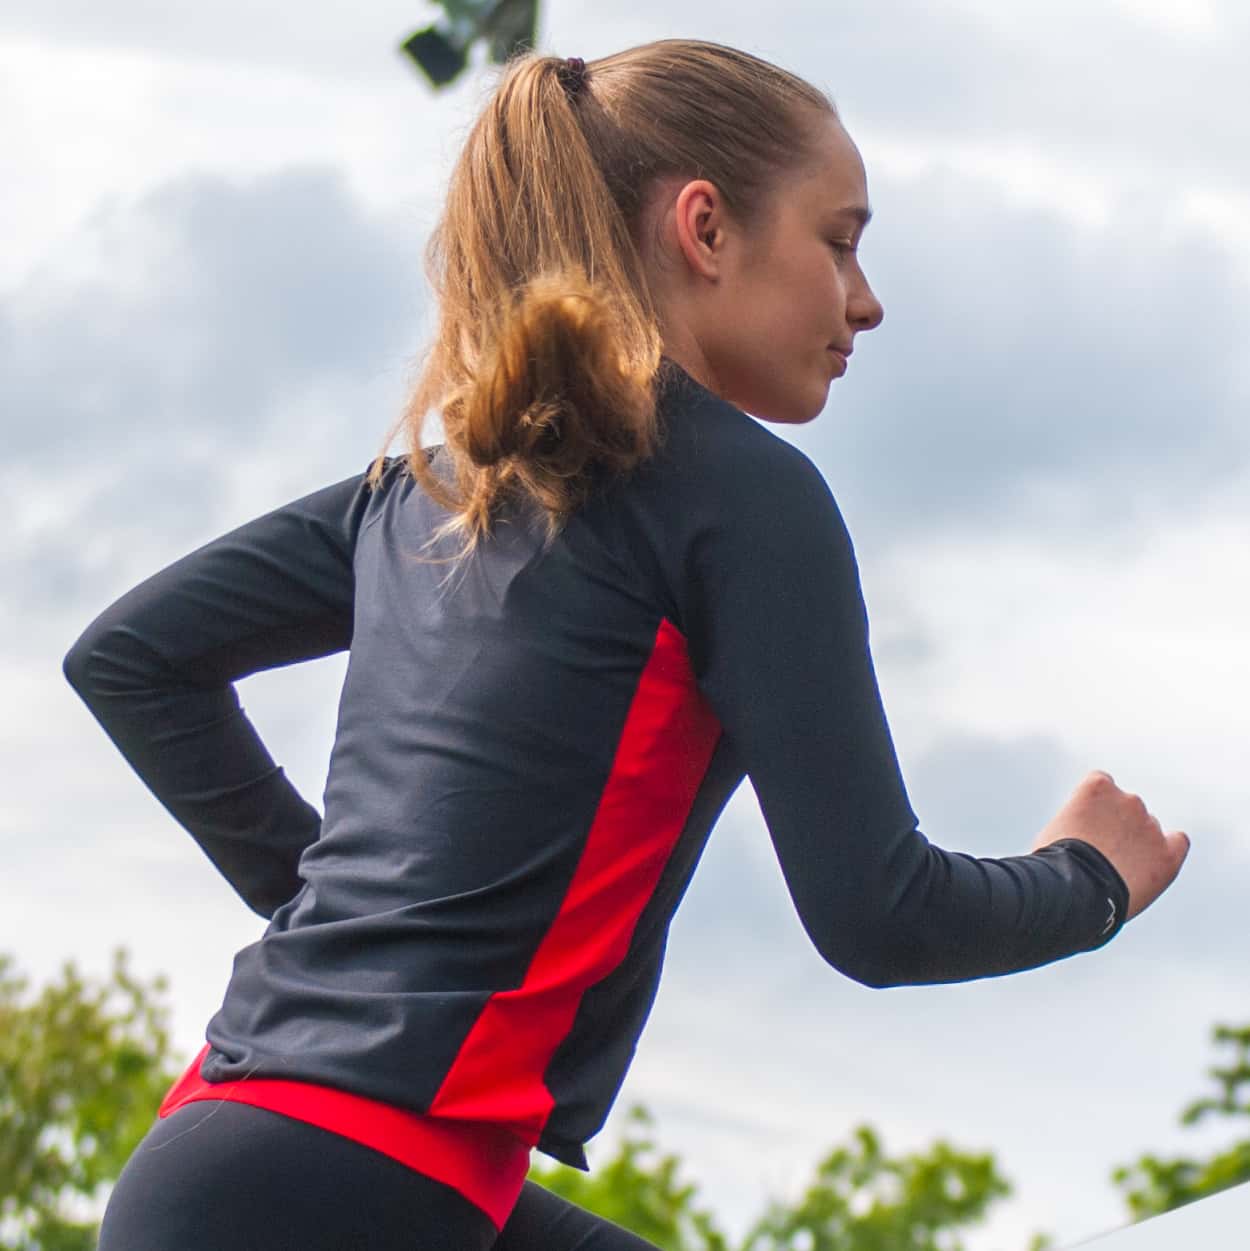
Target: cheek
[(821, 289), (805, 305)]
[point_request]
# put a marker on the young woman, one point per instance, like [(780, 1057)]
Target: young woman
[(574, 626)]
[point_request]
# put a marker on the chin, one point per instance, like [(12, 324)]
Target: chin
[(793, 410), (793, 406)]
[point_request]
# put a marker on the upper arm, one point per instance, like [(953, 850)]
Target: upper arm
[(778, 634), (275, 590)]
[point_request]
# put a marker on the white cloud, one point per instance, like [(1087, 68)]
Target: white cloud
[(90, 124), (1025, 175), (1197, 20), (1225, 215), (1134, 658), (332, 38)]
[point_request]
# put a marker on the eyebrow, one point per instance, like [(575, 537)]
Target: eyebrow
[(859, 212)]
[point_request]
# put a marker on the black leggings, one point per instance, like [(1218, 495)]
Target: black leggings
[(230, 1177)]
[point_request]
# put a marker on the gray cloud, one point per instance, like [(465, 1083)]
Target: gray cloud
[(332, 37), (1019, 354), (109, 529), (177, 343), (209, 300), (986, 796), (990, 796), (930, 71), (1044, 77)]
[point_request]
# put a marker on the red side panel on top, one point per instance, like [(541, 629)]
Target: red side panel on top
[(665, 749)]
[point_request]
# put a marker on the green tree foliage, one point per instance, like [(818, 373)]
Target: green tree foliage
[(84, 1065), (83, 1068), (859, 1200), (441, 51), (639, 1189), (1152, 1185), (863, 1200)]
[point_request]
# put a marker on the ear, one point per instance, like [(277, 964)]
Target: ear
[(699, 221)]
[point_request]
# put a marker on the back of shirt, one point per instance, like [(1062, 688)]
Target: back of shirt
[(532, 747)]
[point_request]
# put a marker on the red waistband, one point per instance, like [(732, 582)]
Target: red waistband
[(485, 1163)]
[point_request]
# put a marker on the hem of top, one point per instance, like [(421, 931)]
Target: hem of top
[(485, 1163)]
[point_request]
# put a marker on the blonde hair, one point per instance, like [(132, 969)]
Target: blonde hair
[(547, 355)]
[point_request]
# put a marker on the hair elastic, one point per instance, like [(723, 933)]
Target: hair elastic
[(572, 74)]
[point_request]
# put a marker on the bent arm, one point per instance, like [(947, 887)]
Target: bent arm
[(780, 635), (157, 670)]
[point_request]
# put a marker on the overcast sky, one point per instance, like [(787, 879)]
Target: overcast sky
[(210, 302)]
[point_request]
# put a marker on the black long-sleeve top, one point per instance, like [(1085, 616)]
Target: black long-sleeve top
[(531, 749)]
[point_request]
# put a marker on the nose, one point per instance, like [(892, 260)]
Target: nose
[(863, 310)]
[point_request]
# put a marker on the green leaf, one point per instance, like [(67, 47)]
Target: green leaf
[(1152, 1185), (83, 1067), (863, 1200), (639, 1189)]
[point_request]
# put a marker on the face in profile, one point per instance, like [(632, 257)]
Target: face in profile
[(771, 314), (800, 291)]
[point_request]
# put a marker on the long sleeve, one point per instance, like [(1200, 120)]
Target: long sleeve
[(779, 636), (157, 670)]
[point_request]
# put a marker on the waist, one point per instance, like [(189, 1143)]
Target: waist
[(485, 1163)]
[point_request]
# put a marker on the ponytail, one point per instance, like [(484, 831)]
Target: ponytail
[(553, 402), (545, 363)]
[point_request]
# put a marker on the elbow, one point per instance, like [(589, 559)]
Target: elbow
[(876, 974), (875, 978), (77, 663), (101, 661), (874, 957)]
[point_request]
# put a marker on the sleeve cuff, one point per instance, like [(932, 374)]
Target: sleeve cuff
[(1113, 909)]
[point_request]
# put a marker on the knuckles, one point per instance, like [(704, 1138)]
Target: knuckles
[(1100, 786)]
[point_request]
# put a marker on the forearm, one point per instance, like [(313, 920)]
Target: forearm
[(157, 669), (935, 916), (199, 755)]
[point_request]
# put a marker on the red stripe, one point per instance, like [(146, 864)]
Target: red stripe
[(484, 1163), (660, 763), (664, 752)]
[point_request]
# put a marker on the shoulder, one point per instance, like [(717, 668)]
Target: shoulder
[(386, 471), (724, 456), (389, 476)]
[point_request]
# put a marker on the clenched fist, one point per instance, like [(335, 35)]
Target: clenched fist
[(1118, 824)]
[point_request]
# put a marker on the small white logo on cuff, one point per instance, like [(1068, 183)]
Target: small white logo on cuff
[(1106, 929)]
